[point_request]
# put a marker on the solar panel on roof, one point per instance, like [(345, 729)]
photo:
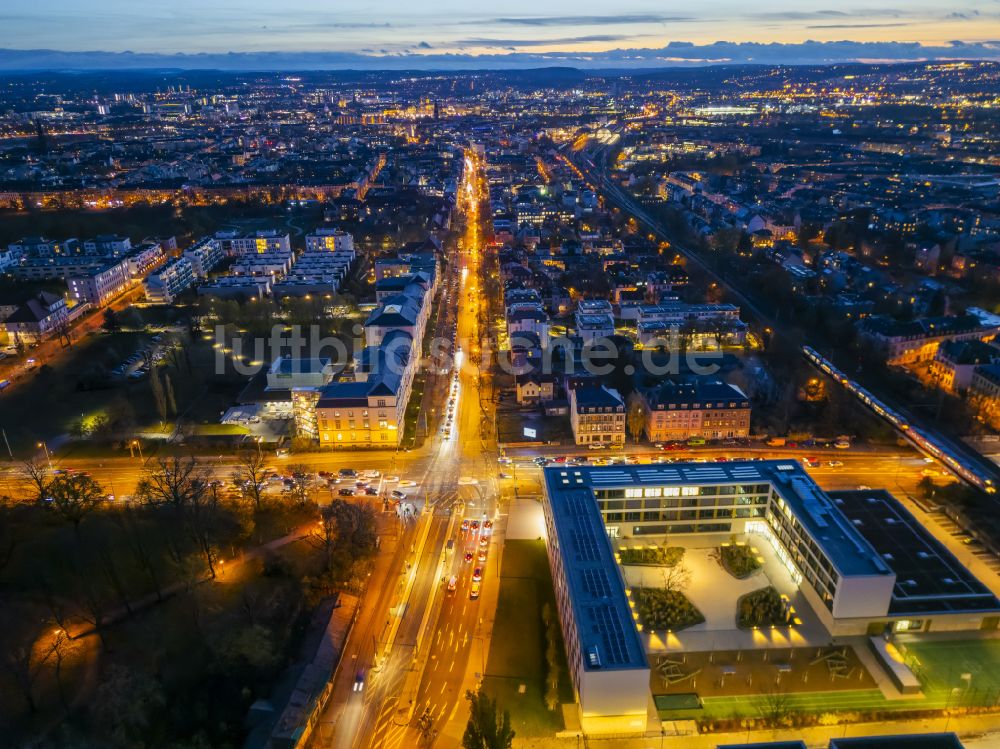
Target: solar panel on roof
[(595, 582), (608, 625)]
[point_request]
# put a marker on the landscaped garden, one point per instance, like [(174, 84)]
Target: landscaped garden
[(739, 559), (657, 556), (762, 608), (661, 610)]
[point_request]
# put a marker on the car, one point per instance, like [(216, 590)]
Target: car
[(474, 591), (347, 473), (863, 488), (487, 525), (4, 384), (371, 491), (835, 463), (477, 574), (397, 494), (359, 681), (505, 461), (482, 556), (475, 525), (484, 542), (465, 524), (596, 446), (391, 480), (468, 557), (722, 459), (346, 492), (407, 483), (452, 583)]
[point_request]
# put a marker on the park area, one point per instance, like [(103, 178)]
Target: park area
[(518, 668), (159, 622)]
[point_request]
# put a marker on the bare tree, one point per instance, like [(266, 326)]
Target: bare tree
[(250, 477), (182, 485), (140, 545), (9, 537), (74, 496), (109, 567), (174, 482), (675, 578), (23, 656), (299, 489), (36, 475), (774, 706), (89, 594), (636, 416)]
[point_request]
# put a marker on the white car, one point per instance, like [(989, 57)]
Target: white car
[(391, 479), (407, 482)]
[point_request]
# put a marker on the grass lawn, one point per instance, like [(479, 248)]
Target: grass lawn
[(517, 649), (940, 665)]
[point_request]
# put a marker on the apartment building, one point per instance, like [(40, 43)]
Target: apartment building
[(166, 284), (709, 409), (268, 240), (37, 318), (204, 256), (331, 240), (954, 363), (100, 285), (597, 415), (918, 340)]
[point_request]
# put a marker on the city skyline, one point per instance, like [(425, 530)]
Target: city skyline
[(389, 33)]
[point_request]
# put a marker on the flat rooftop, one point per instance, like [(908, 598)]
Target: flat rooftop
[(847, 549), (929, 579), (605, 628), (899, 741)]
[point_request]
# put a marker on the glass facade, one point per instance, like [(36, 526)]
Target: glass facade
[(682, 509)]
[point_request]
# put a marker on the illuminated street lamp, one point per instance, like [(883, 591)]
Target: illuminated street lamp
[(48, 457)]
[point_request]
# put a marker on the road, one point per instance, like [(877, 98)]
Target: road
[(393, 643)]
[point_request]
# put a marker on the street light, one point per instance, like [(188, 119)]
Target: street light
[(135, 444), (48, 457)]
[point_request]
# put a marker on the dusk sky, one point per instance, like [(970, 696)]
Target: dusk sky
[(475, 27)]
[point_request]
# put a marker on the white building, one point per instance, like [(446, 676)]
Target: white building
[(333, 240)]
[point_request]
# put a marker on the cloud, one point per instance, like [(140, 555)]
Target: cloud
[(799, 15), (613, 20), (675, 54), (514, 43), (859, 25)]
